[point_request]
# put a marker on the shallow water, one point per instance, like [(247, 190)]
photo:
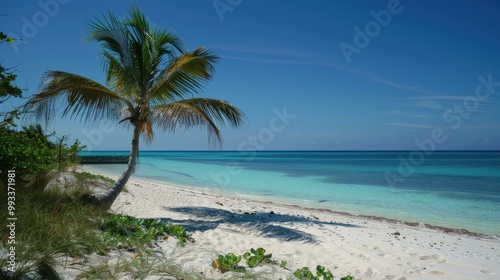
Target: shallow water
[(450, 189)]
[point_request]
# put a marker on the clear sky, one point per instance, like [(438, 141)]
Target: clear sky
[(310, 75)]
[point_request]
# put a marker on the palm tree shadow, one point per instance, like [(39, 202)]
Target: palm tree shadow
[(259, 223)]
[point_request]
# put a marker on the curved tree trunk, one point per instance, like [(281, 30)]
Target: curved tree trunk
[(107, 198)]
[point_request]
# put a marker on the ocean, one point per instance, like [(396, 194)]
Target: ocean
[(449, 189)]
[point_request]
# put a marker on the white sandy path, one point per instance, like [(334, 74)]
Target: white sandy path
[(361, 247)]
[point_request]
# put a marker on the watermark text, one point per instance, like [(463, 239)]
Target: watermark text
[(11, 220)]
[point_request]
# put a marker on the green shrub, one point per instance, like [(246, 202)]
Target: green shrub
[(29, 151)]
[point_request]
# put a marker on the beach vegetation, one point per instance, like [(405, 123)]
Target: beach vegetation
[(180, 233), (32, 153), (8, 87), (321, 273), (151, 83), (50, 224), (125, 232), (228, 262), (54, 225), (90, 176), (256, 257)]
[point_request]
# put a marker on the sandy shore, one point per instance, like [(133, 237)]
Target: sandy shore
[(362, 247)]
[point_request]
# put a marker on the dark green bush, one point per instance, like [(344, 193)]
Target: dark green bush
[(29, 151)]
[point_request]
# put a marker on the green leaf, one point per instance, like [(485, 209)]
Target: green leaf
[(320, 269), (260, 251), (251, 262)]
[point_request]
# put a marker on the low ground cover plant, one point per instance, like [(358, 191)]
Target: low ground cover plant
[(125, 231), (256, 257), (228, 262)]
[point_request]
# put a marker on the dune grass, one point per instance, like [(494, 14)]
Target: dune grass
[(50, 223)]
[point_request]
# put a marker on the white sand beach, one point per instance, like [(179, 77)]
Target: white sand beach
[(362, 247)]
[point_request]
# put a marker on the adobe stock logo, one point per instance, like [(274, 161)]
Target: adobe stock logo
[(363, 37), (223, 6), (31, 25), (95, 137)]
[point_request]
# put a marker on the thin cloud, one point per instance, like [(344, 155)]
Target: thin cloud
[(400, 113), (391, 83), (411, 125), (264, 51), (294, 57), (482, 127), (373, 78), (266, 60), (431, 104), (323, 135), (439, 97)]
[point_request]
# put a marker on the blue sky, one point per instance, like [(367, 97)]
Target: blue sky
[(310, 75)]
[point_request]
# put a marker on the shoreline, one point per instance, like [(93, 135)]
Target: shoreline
[(284, 202), (365, 247)]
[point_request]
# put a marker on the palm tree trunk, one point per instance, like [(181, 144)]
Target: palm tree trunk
[(107, 198)]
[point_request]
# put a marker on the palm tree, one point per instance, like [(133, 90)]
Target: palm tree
[(150, 83)]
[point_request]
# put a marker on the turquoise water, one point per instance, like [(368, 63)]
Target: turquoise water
[(451, 189)]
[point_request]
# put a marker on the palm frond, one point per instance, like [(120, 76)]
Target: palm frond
[(143, 31), (198, 112), (113, 36), (149, 46), (121, 80), (167, 42), (185, 75), (139, 23), (84, 98)]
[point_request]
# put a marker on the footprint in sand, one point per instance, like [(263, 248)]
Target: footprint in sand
[(364, 257), (438, 258), (413, 271), (383, 255), (369, 272), (488, 272)]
